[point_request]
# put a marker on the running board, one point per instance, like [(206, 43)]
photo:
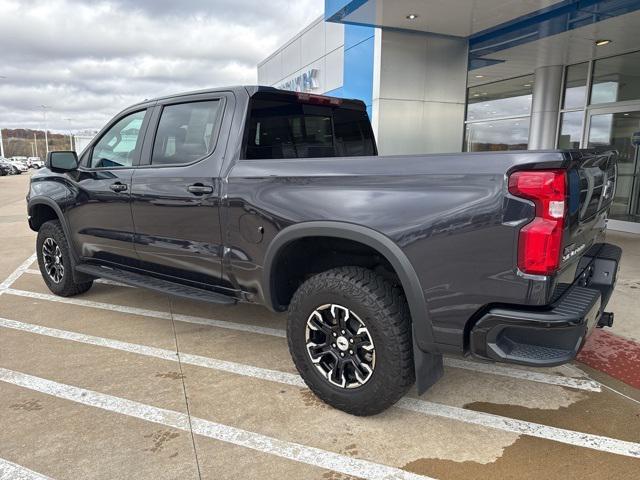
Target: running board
[(153, 283)]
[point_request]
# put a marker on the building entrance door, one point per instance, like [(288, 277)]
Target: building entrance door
[(619, 128)]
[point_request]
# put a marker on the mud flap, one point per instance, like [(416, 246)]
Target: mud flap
[(428, 366)]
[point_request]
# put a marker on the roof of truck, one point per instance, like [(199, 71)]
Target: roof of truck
[(249, 89)]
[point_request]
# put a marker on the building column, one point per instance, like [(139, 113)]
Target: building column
[(419, 92), (545, 108)]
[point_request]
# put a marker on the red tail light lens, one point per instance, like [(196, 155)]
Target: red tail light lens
[(540, 241)]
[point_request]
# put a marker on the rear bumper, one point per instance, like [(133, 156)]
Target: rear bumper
[(555, 335)]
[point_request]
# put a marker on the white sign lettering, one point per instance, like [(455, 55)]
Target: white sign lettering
[(302, 83)]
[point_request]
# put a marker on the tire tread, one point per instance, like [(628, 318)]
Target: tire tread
[(378, 294)]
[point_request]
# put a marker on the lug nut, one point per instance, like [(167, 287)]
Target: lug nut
[(333, 345), (335, 334), (350, 352), (343, 332), (351, 340), (342, 354)]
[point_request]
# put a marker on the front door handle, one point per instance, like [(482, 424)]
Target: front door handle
[(118, 187), (200, 189)]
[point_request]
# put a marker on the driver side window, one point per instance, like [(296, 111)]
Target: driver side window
[(119, 145)]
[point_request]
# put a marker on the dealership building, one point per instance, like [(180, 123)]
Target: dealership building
[(476, 75)]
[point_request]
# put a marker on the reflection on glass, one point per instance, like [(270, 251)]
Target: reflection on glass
[(618, 130), (570, 130), (575, 88), (616, 79), (507, 98), (497, 135)]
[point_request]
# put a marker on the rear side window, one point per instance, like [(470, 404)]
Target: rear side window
[(280, 129), (186, 132)]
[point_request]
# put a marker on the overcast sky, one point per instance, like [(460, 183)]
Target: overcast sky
[(87, 59)]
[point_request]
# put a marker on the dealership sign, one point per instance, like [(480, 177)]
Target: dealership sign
[(302, 83)]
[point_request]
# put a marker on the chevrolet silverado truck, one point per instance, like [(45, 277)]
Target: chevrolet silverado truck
[(383, 263)]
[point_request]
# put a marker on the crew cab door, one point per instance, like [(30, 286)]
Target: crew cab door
[(176, 190), (99, 215)]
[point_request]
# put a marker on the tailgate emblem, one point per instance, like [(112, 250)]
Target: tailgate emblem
[(572, 251)]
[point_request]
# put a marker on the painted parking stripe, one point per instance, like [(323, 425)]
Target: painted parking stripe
[(206, 428), (579, 439), (582, 384), (104, 281), (171, 355), (13, 471), (17, 273), (492, 369), (150, 313)]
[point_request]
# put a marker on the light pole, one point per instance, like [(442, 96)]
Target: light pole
[(70, 134), (46, 137), (2, 77)]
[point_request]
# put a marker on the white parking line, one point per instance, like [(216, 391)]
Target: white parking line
[(17, 273), (171, 355), (492, 369), (104, 281), (149, 313), (13, 471), (579, 439), (581, 384), (217, 431)]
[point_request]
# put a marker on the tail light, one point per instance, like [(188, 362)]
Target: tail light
[(540, 241)]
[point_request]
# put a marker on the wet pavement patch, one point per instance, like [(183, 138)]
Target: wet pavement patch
[(533, 459), (599, 414)]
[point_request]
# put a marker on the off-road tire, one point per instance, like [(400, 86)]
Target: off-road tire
[(384, 310), (67, 287)]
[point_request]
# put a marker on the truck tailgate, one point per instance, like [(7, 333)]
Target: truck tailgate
[(591, 186)]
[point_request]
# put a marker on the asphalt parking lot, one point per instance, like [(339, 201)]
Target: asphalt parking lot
[(125, 383)]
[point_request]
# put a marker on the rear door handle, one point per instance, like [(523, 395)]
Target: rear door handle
[(200, 189), (118, 187)]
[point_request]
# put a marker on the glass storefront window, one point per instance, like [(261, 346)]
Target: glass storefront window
[(507, 98), (616, 79), (621, 132), (570, 130), (512, 134), (575, 86)]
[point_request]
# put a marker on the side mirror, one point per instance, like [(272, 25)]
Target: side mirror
[(62, 161)]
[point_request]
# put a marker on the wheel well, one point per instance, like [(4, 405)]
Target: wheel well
[(300, 259), (39, 214)]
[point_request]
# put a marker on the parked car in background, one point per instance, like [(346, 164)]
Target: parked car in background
[(35, 162), (18, 166), (5, 167)]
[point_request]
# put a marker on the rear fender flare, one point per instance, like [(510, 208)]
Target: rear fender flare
[(421, 323)]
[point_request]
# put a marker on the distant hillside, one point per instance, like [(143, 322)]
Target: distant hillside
[(22, 142)]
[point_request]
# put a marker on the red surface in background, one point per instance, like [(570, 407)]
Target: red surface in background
[(613, 355)]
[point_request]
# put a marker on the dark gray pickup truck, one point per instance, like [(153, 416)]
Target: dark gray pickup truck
[(252, 194)]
